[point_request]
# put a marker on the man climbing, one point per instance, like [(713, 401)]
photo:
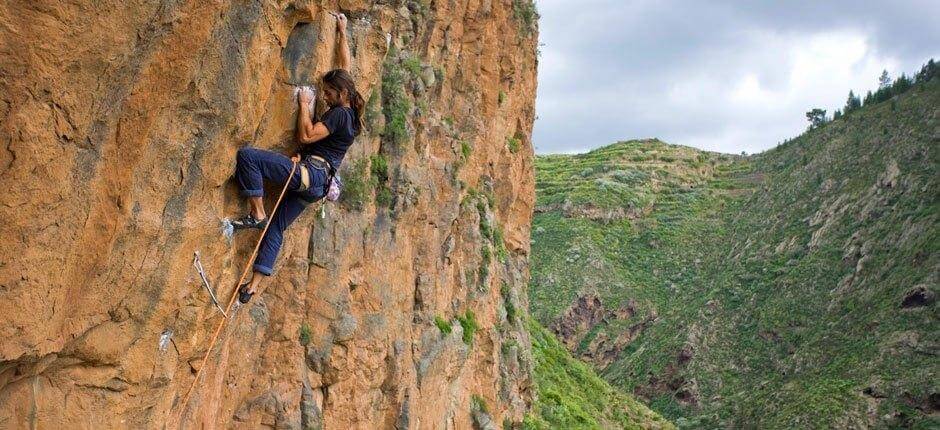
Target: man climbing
[(323, 146)]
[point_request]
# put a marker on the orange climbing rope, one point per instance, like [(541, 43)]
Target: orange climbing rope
[(231, 301)]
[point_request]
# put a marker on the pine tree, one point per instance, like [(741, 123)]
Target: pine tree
[(852, 103), (901, 84), (884, 80), (816, 117), (927, 72)]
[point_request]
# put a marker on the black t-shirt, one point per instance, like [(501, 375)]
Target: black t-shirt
[(342, 124)]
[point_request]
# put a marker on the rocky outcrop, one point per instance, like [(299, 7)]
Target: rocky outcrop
[(588, 314), (120, 123), (585, 313)]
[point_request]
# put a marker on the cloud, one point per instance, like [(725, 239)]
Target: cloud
[(728, 76)]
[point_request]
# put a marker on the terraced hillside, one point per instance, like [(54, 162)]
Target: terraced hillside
[(792, 288)]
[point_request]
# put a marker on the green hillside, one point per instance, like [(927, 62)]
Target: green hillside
[(572, 396), (795, 288)]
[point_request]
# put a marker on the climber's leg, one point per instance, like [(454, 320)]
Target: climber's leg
[(257, 207), (291, 207), (246, 290), (252, 167)]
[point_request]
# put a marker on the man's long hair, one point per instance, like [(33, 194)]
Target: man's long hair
[(340, 79)]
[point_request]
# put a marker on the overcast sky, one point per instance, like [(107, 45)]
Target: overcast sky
[(726, 76)]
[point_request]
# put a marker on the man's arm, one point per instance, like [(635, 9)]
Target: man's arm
[(342, 44)]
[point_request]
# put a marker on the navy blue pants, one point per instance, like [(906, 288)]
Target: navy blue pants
[(252, 167)]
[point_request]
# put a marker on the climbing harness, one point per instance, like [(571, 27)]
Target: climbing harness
[(231, 301), (333, 184), (202, 274)]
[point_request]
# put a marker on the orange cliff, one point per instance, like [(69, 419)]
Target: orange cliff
[(120, 123)]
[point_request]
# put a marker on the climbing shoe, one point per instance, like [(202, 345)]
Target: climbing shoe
[(243, 295), (249, 221)]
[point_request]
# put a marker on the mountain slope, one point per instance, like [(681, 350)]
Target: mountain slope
[(795, 287), (571, 395)]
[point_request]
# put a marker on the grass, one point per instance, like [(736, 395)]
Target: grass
[(379, 179), (304, 334), (443, 325), (379, 167), (357, 186), (479, 404), (373, 113), (486, 257), (526, 16), (468, 321), (412, 65), (492, 236), (502, 254), (465, 149), (396, 104), (365, 178), (571, 395), (752, 264), (513, 143)]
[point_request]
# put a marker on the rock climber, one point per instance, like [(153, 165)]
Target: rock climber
[(323, 146)]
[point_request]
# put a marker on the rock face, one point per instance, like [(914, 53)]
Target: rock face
[(120, 123)]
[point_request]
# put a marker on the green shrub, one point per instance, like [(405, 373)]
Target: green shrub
[(465, 149), (501, 253), (379, 167), (479, 404), (395, 103), (487, 257), (507, 346), (443, 325), (513, 144), (371, 115), (486, 229), (502, 97), (356, 185), (525, 13), (412, 65), (468, 321), (304, 334), (383, 196)]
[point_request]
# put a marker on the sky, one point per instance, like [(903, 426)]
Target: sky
[(727, 76)]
